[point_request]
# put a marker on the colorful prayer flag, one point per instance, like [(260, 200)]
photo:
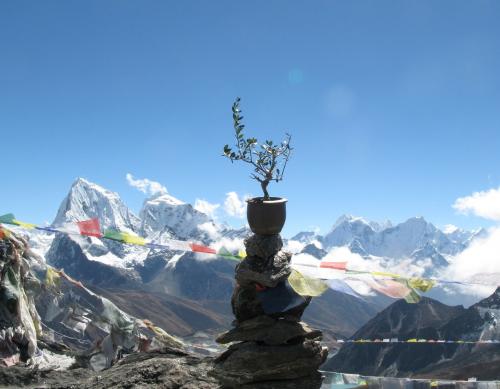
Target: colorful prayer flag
[(202, 249), (422, 284), (11, 219), (343, 287), (52, 277), (8, 218), (333, 265), (306, 286), (28, 226), (133, 239), (4, 233), (223, 252), (124, 237), (113, 235), (90, 228)]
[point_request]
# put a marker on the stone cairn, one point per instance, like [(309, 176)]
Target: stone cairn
[(274, 348)]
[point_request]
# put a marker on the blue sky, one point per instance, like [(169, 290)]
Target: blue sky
[(392, 105)]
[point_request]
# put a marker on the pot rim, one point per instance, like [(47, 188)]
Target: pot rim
[(272, 200)]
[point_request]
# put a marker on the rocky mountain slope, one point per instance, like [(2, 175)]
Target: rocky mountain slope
[(428, 319)]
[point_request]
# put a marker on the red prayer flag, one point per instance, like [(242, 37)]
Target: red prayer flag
[(334, 265), (90, 228), (202, 249)]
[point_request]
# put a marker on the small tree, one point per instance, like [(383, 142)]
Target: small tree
[(268, 159)]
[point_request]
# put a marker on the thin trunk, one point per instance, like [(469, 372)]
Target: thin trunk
[(264, 185)]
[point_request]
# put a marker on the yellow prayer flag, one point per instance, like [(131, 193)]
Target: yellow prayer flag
[(306, 286), (422, 284), (412, 341), (51, 277), (28, 226), (383, 274), (133, 239)]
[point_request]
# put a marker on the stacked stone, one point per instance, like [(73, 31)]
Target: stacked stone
[(275, 349)]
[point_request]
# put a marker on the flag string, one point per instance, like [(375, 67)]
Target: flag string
[(325, 273)]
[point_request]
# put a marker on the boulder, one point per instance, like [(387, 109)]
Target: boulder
[(249, 362)]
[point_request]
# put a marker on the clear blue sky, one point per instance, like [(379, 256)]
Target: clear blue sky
[(393, 105)]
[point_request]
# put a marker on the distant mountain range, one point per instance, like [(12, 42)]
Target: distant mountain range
[(176, 290), (428, 319), (186, 294)]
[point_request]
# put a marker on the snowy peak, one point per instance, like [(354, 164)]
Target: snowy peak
[(87, 200), (165, 213), (399, 241), (346, 229), (306, 237), (349, 219)]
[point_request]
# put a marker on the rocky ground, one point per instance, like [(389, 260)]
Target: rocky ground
[(169, 368)]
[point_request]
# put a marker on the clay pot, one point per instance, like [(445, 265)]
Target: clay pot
[(266, 217)]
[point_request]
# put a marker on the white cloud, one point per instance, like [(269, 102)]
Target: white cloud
[(484, 204), (234, 206), (146, 186), (206, 207), (479, 263), (210, 229)]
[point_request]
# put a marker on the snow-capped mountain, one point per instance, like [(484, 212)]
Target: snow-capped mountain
[(112, 266), (394, 242), (87, 200), (165, 215)]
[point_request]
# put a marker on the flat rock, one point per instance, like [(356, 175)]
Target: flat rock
[(249, 362), (268, 331)]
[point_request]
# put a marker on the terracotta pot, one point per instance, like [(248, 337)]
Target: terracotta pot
[(266, 217)]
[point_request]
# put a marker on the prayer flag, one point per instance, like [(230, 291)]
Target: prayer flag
[(133, 239), (52, 277), (202, 249), (342, 287), (90, 227), (4, 232), (383, 274), (28, 226), (306, 286), (389, 288), (422, 284), (333, 265), (223, 252), (124, 237), (113, 235), (7, 219), (11, 219)]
